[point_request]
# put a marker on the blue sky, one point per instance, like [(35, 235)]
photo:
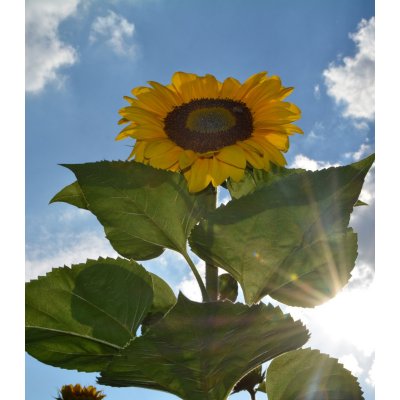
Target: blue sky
[(83, 56)]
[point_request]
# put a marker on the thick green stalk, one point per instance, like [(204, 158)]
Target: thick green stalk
[(211, 270)]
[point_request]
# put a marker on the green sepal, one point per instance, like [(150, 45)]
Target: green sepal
[(309, 374), (254, 179), (288, 238), (80, 317), (250, 381), (199, 351)]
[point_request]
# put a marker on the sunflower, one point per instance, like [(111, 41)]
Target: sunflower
[(210, 130), (70, 392)]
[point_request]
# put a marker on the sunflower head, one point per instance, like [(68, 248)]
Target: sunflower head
[(210, 130), (77, 392)]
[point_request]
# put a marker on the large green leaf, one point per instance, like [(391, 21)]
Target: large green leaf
[(290, 238), (309, 374), (199, 351), (125, 245), (79, 317), (143, 209)]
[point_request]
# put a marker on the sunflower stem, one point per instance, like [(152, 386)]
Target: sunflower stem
[(211, 270), (252, 394), (196, 274)]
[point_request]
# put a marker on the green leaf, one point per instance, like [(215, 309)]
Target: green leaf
[(143, 209), (121, 242), (227, 288), (309, 374), (71, 194), (257, 178), (79, 317), (164, 299), (199, 351), (289, 239)]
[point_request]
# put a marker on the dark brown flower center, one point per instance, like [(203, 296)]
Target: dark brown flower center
[(204, 125)]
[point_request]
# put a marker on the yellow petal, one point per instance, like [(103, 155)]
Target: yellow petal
[(141, 116), (156, 102), (129, 99), (232, 155), (167, 160), (253, 157), (147, 133), (255, 145), (229, 88), (287, 129), (280, 141), (285, 92), (140, 90), (126, 132), (293, 129), (265, 91), (200, 88), (123, 121), (158, 147), (138, 151), (270, 152), (199, 177), (275, 113), (218, 173), (206, 87), (180, 81), (187, 158), (249, 84), (167, 95), (230, 171)]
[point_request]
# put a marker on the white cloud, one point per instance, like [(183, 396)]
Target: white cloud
[(371, 375), (45, 53), (72, 215), (302, 161), (351, 363), (65, 249), (317, 92), (352, 82), (360, 153), (115, 31)]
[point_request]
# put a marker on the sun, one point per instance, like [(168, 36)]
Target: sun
[(348, 318)]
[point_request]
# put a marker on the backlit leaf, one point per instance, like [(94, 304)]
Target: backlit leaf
[(142, 209), (309, 374), (289, 239), (79, 317), (199, 351)]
